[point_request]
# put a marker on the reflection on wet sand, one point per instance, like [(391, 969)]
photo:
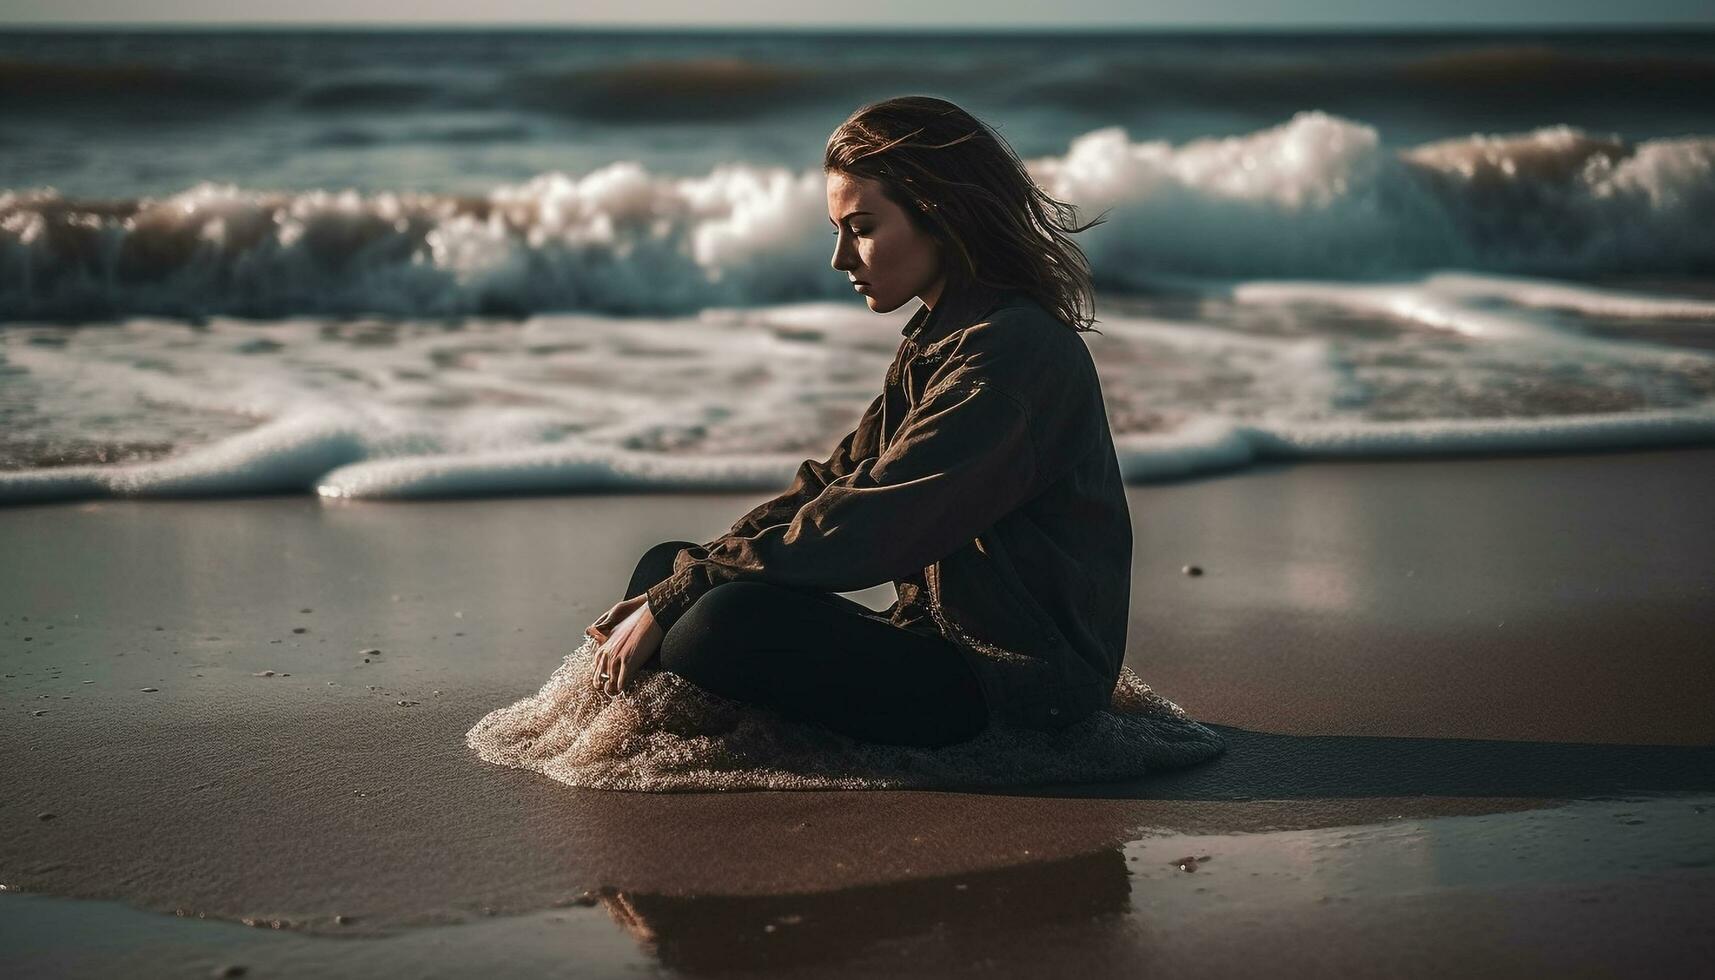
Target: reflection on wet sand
[(716, 933)]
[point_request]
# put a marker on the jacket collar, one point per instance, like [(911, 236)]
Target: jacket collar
[(960, 305)]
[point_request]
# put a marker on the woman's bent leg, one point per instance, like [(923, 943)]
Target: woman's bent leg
[(825, 663), (654, 567)]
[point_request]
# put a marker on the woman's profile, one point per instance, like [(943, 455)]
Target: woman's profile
[(982, 481)]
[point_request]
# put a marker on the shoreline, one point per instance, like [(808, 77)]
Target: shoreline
[(316, 457), (1381, 642)]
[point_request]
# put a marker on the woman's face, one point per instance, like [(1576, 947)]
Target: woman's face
[(878, 247)]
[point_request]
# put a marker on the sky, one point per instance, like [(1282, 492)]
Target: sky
[(973, 15)]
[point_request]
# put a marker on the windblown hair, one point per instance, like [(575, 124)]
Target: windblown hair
[(963, 184)]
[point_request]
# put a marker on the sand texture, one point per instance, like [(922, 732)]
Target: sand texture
[(664, 734), (1464, 704)]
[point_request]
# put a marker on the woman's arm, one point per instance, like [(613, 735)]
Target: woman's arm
[(963, 458), (813, 477)]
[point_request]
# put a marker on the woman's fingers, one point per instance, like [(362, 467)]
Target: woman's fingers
[(611, 662), (605, 624), (600, 667), (606, 620), (617, 650)]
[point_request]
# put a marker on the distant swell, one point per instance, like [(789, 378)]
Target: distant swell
[(675, 90), (116, 91), (1318, 196)]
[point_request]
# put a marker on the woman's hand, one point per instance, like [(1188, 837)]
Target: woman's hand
[(625, 646), (602, 628)]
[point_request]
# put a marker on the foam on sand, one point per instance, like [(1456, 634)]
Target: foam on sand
[(1218, 374), (665, 734)]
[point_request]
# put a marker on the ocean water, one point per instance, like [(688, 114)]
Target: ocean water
[(431, 263)]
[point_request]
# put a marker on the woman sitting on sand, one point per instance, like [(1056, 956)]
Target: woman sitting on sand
[(982, 481)]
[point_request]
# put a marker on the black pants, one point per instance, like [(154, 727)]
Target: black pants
[(813, 657)]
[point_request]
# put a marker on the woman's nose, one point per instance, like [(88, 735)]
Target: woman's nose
[(845, 257)]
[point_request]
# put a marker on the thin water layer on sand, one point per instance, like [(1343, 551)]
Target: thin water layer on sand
[(1609, 887), (1373, 641)]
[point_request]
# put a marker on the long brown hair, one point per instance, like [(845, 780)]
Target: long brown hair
[(963, 184)]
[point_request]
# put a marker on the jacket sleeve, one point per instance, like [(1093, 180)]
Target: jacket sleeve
[(961, 460), (814, 477)]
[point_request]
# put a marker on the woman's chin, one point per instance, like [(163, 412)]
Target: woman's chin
[(878, 306)]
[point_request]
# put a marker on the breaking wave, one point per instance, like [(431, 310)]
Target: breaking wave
[(1317, 196)]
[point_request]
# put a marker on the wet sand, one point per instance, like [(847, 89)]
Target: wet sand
[(1417, 664)]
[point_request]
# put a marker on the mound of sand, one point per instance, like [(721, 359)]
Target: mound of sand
[(665, 734)]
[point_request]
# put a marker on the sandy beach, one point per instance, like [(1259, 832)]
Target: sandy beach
[(1466, 703)]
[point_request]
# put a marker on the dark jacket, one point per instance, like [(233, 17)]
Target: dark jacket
[(983, 483)]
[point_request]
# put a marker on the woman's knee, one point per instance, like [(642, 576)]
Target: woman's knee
[(727, 609), (714, 633), (655, 565), (664, 553)]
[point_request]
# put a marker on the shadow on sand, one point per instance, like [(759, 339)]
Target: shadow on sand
[(1259, 765)]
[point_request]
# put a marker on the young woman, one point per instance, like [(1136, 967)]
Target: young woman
[(982, 481)]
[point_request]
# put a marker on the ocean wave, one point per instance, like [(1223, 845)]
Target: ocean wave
[(1453, 77), (1505, 70), (656, 90), (346, 137), (116, 92), (627, 84), (1317, 196), (635, 90), (342, 94), (1322, 196)]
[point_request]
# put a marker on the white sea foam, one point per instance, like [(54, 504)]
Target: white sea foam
[(1323, 196), (1316, 196), (733, 399), (1587, 300)]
